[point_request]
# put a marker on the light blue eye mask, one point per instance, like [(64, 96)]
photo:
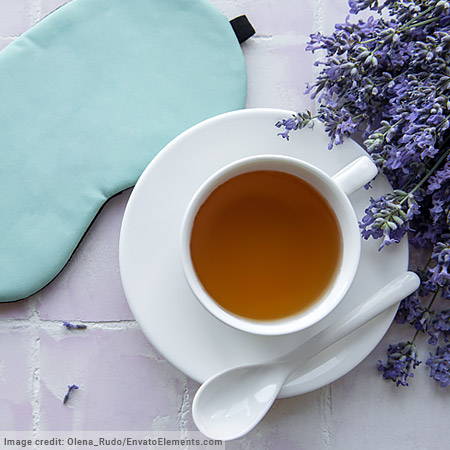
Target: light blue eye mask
[(87, 98)]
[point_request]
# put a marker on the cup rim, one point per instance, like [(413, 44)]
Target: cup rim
[(303, 319)]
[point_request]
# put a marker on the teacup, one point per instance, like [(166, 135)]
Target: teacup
[(335, 189)]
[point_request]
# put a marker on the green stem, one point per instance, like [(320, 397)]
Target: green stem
[(390, 127), (428, 175), (414, 337), (418, 24), (405, 27), (419, 15), (427, 309), (310, 120), (433, 299), (425, 267)]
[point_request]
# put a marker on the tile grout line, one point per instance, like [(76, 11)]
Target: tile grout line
[(318, 21), (35, 11), (326, 408), (184, 408), (34, 322), (326, 393), (53, 324), (263, 37)]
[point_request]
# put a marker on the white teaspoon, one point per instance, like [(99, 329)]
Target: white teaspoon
[(231, 403)]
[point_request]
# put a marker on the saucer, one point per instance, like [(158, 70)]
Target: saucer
[(150, 262)]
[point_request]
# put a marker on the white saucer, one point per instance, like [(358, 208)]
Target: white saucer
[(158, 294)]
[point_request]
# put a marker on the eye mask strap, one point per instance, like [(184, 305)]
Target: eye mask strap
[(242, 28)]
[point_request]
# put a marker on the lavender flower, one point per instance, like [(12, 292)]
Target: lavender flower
[(401, 362), (358, 5), (412, 311), (439, 365), (386, 79), (71, 326), (439, 270), (69, 392), (388, 217), (439, 328), (295, 122)]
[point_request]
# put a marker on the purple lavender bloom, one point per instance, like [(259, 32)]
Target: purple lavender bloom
[(359, 5), (412, 311), (439, 272), (440, 178), (439, 365), (400, 364), (71, 388), (439, 328), (296, 122), (71, 326), (388, 217)]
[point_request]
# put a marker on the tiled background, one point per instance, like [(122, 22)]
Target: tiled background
[(125, 384)]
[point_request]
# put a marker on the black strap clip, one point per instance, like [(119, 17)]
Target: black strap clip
[(242, 28)]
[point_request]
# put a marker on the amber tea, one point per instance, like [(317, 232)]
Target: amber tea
[(265, 245)]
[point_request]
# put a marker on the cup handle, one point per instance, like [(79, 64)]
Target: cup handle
[(356, 174)]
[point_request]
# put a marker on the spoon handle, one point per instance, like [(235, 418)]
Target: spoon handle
[(389, 295)]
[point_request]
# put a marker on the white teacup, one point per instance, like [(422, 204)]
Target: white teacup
[(334, 189)]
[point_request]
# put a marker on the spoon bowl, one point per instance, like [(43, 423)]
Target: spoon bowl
[(220, 415)]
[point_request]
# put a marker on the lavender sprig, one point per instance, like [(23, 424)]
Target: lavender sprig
[(388, 217), (387, 78), (400, 364), (71, 388), (296, 122)]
